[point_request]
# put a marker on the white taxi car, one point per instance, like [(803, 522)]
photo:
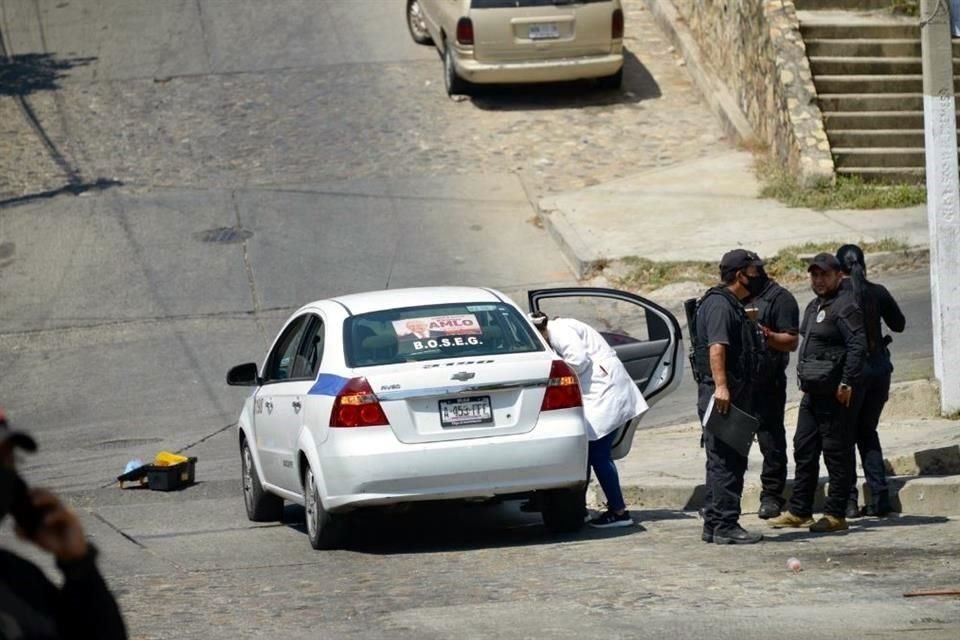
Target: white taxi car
[(427, 394), (520, 41)]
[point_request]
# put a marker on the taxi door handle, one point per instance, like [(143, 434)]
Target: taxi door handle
[(269, 405), (297, 406)]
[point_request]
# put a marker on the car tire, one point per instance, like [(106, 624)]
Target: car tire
[(324, 529), (611, 82), (416, 23), (563, 510), (261, 506), (454, 83)]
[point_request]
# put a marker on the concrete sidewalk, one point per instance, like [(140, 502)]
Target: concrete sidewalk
[(700, 209), (665, 468)]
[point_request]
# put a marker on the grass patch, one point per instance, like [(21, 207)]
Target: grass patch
[(848, 192), (789, 265), (906, 7)]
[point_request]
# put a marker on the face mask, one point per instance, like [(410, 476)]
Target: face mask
[(755, 284)]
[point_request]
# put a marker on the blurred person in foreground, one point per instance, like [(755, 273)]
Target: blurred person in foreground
[(31, 606)]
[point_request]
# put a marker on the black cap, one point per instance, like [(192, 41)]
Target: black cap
[(17, 438), (824, 262), (739, 259)]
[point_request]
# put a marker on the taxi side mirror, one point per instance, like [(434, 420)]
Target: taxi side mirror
[(243, 375)]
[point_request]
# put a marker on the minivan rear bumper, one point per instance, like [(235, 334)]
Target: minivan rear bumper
[(557, 70)]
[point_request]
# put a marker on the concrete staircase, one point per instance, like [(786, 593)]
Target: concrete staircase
[(867, 71)]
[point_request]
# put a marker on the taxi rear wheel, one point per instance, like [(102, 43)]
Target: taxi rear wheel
[(563, 510), (261, 506), (324, 529)]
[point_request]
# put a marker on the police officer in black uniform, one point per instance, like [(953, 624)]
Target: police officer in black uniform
[(724, 354), (877, 304), (778, 317), (830, 371)]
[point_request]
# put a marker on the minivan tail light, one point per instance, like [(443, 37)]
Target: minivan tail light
[(563, 388), (616, 28), (465, 31), (357, 406)]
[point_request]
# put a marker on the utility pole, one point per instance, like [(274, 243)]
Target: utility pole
[(943, 196)]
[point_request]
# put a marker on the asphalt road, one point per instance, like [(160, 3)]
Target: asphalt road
[(272, 153)]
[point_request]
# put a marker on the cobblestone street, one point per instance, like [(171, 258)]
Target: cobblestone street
[(290, 126)]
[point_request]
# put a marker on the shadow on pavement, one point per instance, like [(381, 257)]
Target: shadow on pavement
[(23, 74), (859, 525), (655, 515), (432, 528), (897, 521), (638, 85)]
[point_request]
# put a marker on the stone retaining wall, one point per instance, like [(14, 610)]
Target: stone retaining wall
[(755, 48)]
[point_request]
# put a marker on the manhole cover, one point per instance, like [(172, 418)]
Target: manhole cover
[(223, 235), (122, 443)]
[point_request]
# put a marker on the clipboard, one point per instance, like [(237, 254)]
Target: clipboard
[(736, 429)]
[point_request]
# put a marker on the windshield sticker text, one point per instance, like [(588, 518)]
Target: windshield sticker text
[(442, 343)]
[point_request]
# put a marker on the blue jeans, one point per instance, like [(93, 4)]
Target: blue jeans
[(601, 461)]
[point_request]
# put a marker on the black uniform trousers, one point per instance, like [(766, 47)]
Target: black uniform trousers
[(725, 469), (823, 426), (873, 397), (769, 401)]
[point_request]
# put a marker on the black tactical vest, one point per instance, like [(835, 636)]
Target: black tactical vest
[(772, 363), (743, 369)]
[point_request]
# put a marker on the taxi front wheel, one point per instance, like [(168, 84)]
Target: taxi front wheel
[(261, 506)]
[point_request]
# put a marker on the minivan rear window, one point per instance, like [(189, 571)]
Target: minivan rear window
[(509, 4), (415, 334)]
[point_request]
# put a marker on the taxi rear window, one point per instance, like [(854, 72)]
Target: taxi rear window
[(415, 334)]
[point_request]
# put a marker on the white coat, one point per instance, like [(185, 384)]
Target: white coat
[(610, 397)]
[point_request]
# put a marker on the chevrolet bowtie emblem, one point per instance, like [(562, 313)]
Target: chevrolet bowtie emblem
[(463, 376)]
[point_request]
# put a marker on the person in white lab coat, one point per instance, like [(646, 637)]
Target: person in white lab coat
[(611, 399)]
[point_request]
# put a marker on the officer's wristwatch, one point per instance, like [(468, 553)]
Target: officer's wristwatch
[(844, 386)]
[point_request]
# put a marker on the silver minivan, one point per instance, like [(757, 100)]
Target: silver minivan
[(521, 41)]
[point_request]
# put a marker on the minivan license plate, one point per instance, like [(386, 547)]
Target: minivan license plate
[(544, 31), (465, 411)]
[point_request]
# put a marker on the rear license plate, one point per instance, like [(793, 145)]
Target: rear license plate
[(465, 411), (544, 31)]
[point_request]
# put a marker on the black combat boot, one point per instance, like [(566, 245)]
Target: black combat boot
[(879, 505), (769, 508), (853, 509)]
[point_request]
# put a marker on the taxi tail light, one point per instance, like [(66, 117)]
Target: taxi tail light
[(563, 388), (357, 406), (465, 31), (616, 27)]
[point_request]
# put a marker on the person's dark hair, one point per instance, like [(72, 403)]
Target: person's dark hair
[(539, 319), (728, 277), (854, 265)]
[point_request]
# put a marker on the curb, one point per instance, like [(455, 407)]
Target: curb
[(927, 496), (575, 251)]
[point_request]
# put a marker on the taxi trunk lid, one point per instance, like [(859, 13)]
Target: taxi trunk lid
[(457, 399)]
